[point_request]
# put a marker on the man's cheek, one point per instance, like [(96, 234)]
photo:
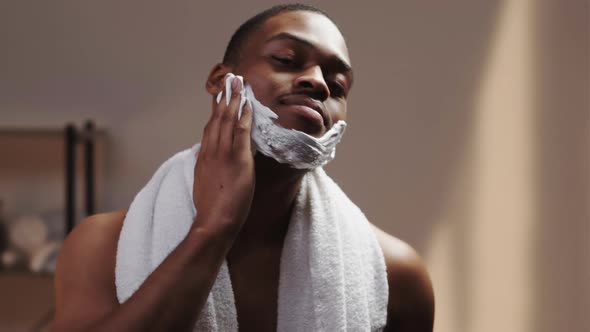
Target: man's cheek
[(259, 84), (337, 110), (263, 90)]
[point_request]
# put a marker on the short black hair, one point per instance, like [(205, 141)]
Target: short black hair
[(238, 39)]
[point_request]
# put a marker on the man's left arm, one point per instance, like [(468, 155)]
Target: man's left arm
[(411, 297)]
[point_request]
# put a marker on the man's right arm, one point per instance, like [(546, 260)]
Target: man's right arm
[(174, 294), (169, 300)]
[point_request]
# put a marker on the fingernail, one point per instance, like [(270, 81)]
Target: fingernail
[(237, 84), (247, 104)]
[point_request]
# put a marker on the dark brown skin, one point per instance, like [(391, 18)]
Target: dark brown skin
[(245, 214)]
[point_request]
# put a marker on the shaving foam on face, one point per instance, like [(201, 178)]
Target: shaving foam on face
[(287, 146)]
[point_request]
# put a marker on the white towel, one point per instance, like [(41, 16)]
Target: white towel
[(332, 270)]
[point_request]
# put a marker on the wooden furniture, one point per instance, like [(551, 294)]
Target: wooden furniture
[(71, 137), (26, 304), (27, 299)]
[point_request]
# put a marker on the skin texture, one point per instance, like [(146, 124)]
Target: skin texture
[(293, 58)]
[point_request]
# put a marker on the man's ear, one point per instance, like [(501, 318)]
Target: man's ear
[(215, 81)]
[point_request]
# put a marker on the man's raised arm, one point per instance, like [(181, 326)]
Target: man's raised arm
[(172, 297)]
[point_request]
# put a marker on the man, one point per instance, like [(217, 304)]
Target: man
[(289, 50)]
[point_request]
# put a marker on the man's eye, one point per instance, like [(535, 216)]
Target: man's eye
[(336, 89), (283, 61)]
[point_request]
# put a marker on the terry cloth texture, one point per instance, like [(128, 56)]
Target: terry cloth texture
[(332, 270)]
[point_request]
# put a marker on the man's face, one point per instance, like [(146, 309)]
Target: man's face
[(298, 65)]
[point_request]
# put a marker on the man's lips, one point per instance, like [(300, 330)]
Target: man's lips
[(305, 103)]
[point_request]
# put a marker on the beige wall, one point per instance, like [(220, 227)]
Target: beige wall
[(477, 110)]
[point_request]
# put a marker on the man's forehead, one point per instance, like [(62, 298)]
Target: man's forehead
[(314, 28)]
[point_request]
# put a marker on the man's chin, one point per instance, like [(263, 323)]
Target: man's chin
[(265, 164), (311, 129)]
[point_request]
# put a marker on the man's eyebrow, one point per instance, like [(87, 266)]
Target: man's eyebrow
[(285, 35)]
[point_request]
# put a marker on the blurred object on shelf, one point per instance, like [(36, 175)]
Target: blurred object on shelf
[(34, 243), (45, 258), (31, 242), (13, 259), (28, 233)]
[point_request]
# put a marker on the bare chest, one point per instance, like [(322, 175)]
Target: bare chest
[(255, 281)]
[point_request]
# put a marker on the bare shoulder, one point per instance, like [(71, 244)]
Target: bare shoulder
[(91, 241), (411, 297), (84, 276)]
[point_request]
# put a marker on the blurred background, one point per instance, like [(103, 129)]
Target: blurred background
[(468, 138)]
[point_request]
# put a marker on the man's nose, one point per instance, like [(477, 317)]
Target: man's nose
[(312, 82)]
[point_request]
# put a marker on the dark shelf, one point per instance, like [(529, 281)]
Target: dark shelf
[(71, 137)]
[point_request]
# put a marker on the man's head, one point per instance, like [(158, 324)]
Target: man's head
[(296, 60)]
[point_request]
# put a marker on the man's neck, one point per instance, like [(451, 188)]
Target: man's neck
[(276, 188)]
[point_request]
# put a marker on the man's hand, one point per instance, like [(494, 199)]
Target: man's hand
[(224, 174), (173, 295)]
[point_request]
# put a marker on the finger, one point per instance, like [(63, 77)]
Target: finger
[(213, 126), (211, 132), (207, 130), (243, 130), (204, 140), (229, 118)]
